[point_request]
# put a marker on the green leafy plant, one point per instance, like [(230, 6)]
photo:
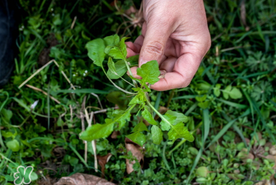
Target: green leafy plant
[(172, 122)]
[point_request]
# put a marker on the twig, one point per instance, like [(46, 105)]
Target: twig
[(40, 90), (35, 73), (73, 23)]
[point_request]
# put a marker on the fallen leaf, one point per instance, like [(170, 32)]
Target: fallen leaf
[(102, 161), (115, 134), (83, 179), (136, 151)]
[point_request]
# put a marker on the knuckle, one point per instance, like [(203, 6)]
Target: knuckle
[(154, 48)]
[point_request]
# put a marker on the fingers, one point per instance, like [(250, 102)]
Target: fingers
[(183, 72), (157, 33)]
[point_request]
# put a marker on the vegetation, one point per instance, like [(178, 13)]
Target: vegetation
[(63, 113)]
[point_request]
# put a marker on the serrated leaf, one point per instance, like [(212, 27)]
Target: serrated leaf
[(140, 127), (156, 134), (137, 137), (149, 72), (96, 51), (98, 131), (180, 131), (148, 116), (116, 70)]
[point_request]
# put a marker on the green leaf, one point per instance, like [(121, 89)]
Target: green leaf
[(149, 72), (139, 98), (179, 117), (164, 125), (112, 40), (179, 131), (6, 115), (121, 117), (234, 92), (133, 60), (96, 51), (119, 51), (98, 131), (174, 118), (148, 116), (217, 90), (118, 98), (137, 137), (13, 145), (156, 134), (116, 70), (140, 127)]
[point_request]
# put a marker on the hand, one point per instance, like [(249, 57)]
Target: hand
[(175, 33)]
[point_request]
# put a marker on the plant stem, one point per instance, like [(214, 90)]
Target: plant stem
[(130, 73), (157, 112), (117, 85)]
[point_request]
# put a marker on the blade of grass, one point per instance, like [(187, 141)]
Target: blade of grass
[(164, 158), (236, 128), (233, 104), (206, 129), (226, 127)]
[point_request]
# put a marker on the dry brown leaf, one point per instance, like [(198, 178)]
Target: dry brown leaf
[(136, 151), (102, 161), (83, 179), (115, 134)]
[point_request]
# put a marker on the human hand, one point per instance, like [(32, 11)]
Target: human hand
[(175, 33)]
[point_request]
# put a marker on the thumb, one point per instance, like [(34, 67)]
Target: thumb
[(156, 35)]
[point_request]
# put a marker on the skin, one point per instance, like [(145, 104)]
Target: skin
[(175, 33)]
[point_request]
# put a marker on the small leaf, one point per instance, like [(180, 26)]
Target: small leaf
[(227, 91), (140, 127), (148, 116), (116, 70), (149, 72), (98, 131), (235, 93), (156, 134), (13, 145), (137, 137), (217, 90), (96, 51)]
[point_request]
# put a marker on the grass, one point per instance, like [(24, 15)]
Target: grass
[(229, 101)]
